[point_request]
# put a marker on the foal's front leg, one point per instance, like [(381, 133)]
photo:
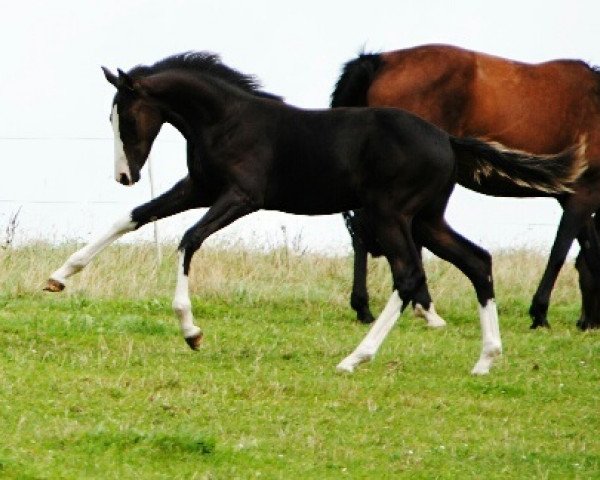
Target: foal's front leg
[(224, 211), (181, 197)]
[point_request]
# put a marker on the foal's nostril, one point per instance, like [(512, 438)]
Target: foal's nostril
[(123, 179)]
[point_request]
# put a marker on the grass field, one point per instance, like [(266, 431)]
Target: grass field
[(96, 382)]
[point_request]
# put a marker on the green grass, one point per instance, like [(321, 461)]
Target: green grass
[(97, 384)]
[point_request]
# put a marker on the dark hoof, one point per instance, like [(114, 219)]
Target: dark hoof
[(54, 286), (540, 323), (366, 318), (538, 312), (583, 324), (194, 342)]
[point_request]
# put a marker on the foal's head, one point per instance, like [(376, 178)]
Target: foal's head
[(137, 115), (136, 119)]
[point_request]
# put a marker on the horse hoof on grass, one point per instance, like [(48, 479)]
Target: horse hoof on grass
[(584, 324), (54, 286), (365, 318), (195, 341), (345, 367), (537, 324), (349, 363)]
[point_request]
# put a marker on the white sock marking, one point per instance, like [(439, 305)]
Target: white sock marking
[(368, 347), (78, 260), (490, 333), (433, 319), (182, 304), (121, 165)]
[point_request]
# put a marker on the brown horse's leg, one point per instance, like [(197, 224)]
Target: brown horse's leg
[(590, 297), (360, 230), (571, 223), (588, 267), (359, 298)]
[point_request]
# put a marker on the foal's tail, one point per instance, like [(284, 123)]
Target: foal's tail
[(357, 75), (493, 169)]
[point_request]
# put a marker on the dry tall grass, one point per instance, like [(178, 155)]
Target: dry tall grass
[(131, 271)]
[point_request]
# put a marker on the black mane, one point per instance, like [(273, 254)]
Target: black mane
[(206, 63), (357, 75)]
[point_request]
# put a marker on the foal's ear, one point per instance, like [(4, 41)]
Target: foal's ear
[(111, 77), (124, 81)]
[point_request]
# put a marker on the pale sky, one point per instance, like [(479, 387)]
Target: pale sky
[(53, 94)]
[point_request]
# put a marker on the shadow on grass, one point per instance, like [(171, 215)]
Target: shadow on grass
[(101, 440)]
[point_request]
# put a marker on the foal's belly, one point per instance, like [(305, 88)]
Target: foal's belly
[(306, 196)]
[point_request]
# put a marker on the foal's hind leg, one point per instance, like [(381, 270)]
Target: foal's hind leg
[(423, 305), (180, 198), (360, 226), (476, 264), (407, 273)]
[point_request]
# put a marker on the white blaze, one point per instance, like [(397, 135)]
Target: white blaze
[(121, 165)]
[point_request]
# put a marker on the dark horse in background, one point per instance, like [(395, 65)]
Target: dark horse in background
[(247, 150), (543, 108)]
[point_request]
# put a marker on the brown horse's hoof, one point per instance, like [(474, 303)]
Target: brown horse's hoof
[(195, 341), (54, 286)]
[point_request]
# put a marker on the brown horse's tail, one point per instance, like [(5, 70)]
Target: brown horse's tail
[(352, 86), (493, 169)]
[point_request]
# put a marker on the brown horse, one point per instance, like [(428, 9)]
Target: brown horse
[(540, 108)]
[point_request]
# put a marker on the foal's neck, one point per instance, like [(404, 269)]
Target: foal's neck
[(192, 102)]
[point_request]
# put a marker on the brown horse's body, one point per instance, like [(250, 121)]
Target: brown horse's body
[(540, 108)]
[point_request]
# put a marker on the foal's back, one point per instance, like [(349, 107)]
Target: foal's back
[(327, 161)]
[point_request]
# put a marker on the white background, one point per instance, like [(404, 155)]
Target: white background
[(56, 141)]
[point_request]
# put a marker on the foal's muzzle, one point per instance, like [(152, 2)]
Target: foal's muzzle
[(129, 179), (124, 180)]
